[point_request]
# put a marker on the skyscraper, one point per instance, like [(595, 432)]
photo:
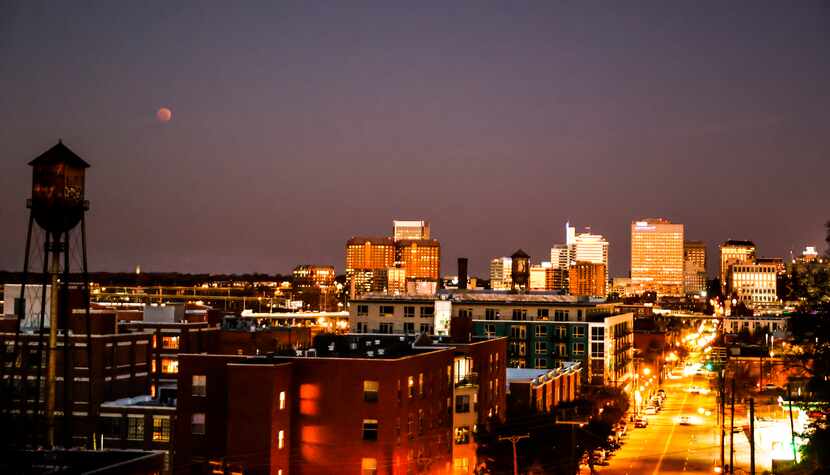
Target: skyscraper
[(367, 261), (589, 247), (694, 267), (421, 258), (657, 256), (500, 273), (410, 230), (588, 279), (733, 252)]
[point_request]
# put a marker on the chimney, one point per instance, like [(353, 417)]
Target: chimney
[(462, 273)]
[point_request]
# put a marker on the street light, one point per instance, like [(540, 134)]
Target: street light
[(646, 371)]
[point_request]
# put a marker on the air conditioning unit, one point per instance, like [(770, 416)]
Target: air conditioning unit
[(380, 352), (370, 353)]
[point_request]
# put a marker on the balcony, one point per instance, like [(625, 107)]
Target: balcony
[(470, 379)]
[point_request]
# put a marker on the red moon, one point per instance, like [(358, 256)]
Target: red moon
[(164, 114)]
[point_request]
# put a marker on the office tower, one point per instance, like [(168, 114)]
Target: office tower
[(500, 273), (734, 252), (310, 276), (367, 261), (542, 276), (754, 284), (588, 279), (410, 230), (657, 256), (589, 247), (694, 267), (420, 258)]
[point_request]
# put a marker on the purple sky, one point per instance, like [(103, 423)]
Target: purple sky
[(297, 125)]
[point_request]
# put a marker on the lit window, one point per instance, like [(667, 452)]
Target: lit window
[(161, 428), (281, 439), (199, 385), (368, 466), (170, 342), (411, 385), (197, 423), (370, 391), (462, 435), (421, 384), (462, 404), (282, 400), (169, 366), (370, 429)]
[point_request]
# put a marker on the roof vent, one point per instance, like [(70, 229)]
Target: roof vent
[(377, 342), (381, 352), (370, 353)]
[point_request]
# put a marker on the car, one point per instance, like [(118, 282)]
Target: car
[(771, 387), (641, 422), (685, 421), (650, 410)]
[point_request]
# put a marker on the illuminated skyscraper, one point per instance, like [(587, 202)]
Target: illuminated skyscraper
[(410, 230), (500, 273), (420, 258), (588, 279), (657, 256), (734, 252), (367, 261), (589, 247), (694, 267)]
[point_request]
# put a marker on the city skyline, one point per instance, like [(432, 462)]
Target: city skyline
[(262, 163)]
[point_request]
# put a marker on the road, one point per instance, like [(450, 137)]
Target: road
[(665, 447)]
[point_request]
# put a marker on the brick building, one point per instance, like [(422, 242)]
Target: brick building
[(368, 404)]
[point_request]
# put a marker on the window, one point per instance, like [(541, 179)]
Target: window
[(579, 315), (490, 313), (541, 348), (369, 466), (410, 426), (421, 384), (542, 313), (170, 342), (111, 426), (560, 315), (420, 421), (462, 435), (518, 332), (161, 428), (541, 330), (385, 328), (490, 330), (541, 362), (370, 391), (462, 404), (169, 366), (362, 310), (411, 386), (199, 385), (519, 314), (197, 423), (426, 328), (465, 313), (135, 427), (597, 333), (597, 349), (408, 327), (579, 348), (282, 400), (561, 331), (409, 312), (362, 327), (281, 439), (427, 312), (579, 331), (561, 349), (387, 310), (370, 429)]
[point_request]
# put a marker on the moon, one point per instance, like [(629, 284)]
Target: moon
[(164, 114)]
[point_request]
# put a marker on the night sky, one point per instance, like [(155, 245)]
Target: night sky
[(299, 124)]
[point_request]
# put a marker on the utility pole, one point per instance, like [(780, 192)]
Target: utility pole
[(514, 439), (722, 418), (752, 436), (732, 432), (792, 428)]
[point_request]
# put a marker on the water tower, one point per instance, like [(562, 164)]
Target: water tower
[(57, 208)]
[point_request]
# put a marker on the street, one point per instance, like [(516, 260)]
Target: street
[(666, 447)]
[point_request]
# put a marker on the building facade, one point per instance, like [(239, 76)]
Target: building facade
[(542, 277), (420, 258), (734, 252), (694, 267), (367, 261), (657, 256), (754, 284), (410, 230), (500, 273), (588, 279), (540, 391), (313, 276)]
